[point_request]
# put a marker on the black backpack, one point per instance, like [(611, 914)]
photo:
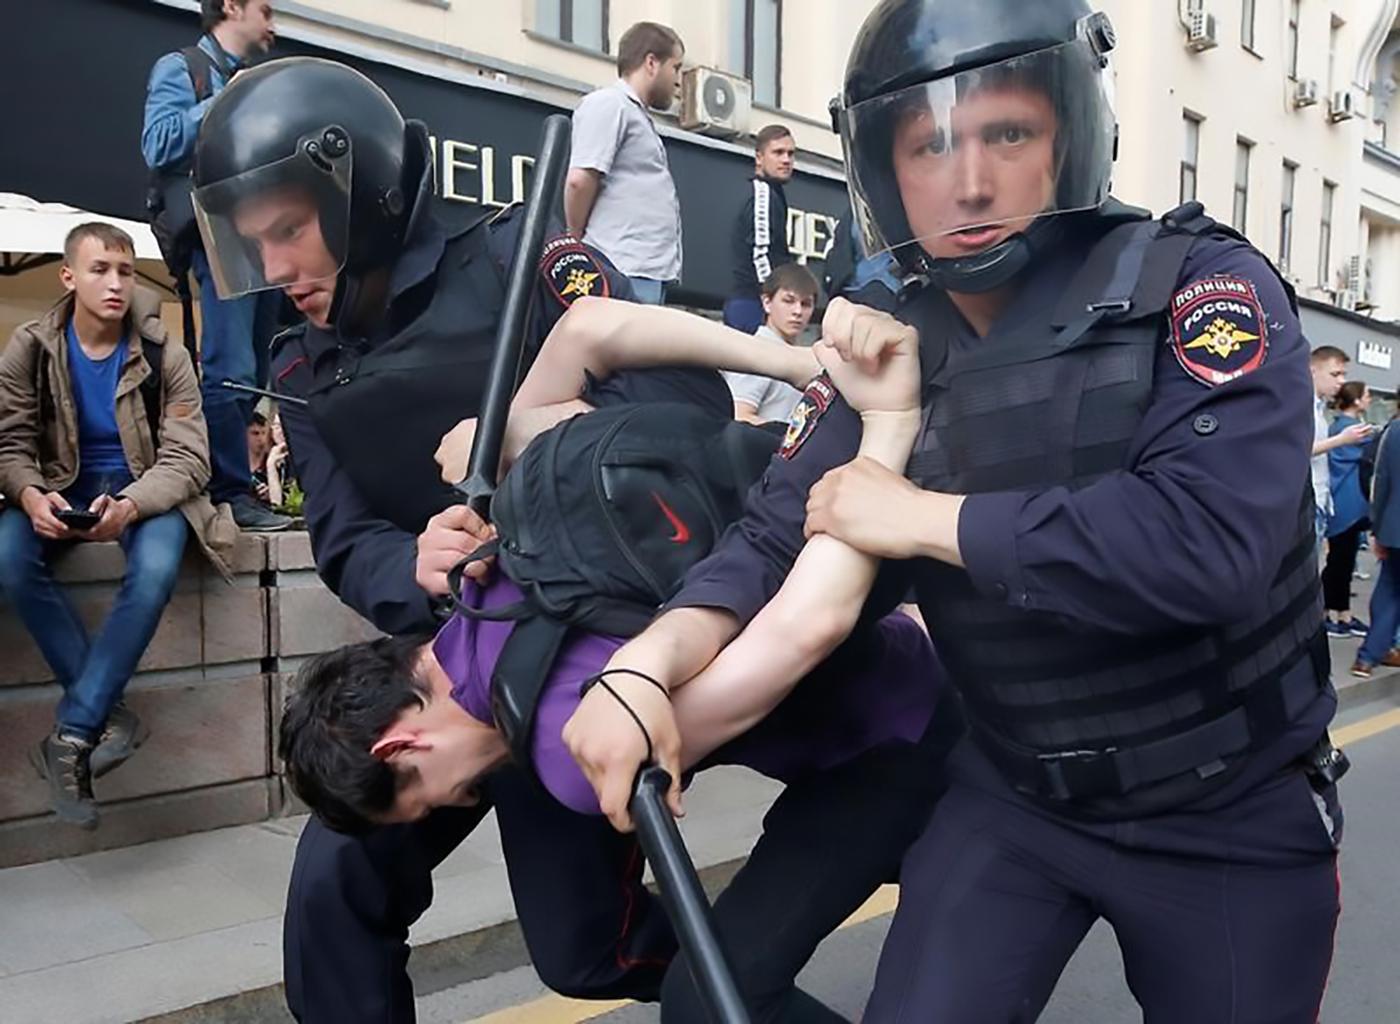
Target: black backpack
[(598, 522)]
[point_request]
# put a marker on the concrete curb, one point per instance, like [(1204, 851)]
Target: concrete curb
[(434, 966)]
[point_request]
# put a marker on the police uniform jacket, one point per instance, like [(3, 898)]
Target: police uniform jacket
[(1187, 526)]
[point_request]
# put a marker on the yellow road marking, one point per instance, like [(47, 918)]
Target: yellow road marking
[(552, 1009), (1366, 728)]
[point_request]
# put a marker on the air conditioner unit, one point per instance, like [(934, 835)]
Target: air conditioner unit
[(1200, 30), (1305, 92), (715, 103), (1342, 106), (1346, 299), (1354, 281)]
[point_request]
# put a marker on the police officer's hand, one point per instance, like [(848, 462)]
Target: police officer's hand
[(610, 748), (877, 511), (872, 358), (454, 451), (449, 537), (803, 365)]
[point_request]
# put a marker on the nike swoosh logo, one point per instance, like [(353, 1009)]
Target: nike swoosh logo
[(682, 534)]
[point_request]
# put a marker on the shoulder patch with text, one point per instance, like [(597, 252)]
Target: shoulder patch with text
[(1218, 329), (810, 408), (571, 270)]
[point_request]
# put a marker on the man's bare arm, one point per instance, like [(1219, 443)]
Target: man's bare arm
[(581, 189)]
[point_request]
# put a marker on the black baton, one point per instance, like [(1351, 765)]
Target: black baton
[(249, 389), (550, 163), (684, 899)]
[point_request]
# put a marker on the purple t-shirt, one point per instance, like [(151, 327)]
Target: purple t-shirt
[(880, 685)]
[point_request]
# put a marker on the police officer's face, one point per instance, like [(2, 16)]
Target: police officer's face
[(789, 312), (284, 226), (102, 280), (972, 183)]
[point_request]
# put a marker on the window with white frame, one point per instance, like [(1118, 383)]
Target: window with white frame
[(1247, 24), (1190, 156), (1324, 247), (1239, 219), (755, 47), (581, 22), (1294, 16), (1285, 214)]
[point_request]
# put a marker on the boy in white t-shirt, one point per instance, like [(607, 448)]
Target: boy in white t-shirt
[(789, 296)]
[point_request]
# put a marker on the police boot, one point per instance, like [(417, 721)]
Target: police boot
[(121, 736), (62, 761)]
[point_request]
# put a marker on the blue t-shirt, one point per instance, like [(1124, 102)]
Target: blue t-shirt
[(100, 453)]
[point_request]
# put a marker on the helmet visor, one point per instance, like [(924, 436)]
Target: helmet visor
[(959, 164), (282, 225)]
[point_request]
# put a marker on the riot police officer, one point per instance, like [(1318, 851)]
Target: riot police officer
[(309, 180), (1107, 524)]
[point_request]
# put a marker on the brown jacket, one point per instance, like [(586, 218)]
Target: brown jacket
[(39, 424)]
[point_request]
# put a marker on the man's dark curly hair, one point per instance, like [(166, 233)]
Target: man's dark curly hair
[(342, 702)]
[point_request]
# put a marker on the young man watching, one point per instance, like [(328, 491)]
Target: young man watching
[(619, 196), (1329, 373), (82, 429), (759, 241), (232, 331), (788, 296)]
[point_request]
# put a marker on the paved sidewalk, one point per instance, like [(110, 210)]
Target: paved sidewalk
[(156, 929), (189, 929)]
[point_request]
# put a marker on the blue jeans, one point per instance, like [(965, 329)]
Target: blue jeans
[(648, 291), (93, 673), (233, 340), (1385, 613)]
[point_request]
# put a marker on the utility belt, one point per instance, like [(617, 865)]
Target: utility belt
[(1265, 711)]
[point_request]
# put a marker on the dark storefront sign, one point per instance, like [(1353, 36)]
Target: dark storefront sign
[(76, 70)]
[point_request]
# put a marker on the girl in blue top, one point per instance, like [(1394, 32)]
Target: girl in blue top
[(1349, 514)]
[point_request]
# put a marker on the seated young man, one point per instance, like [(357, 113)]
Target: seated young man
[(789, 296), (84, 430)]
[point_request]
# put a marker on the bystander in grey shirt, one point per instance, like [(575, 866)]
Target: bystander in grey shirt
[(636, 220), (774, 399)]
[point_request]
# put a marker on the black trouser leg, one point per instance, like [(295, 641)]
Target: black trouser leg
[(349, 906), (591, 929), (828, 842), (1340, 565)]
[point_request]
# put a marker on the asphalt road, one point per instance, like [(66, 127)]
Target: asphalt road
[(1365, 983)]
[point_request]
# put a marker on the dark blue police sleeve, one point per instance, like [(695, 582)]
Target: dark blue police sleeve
[(1195, 529), (367, 561), (754, 555)]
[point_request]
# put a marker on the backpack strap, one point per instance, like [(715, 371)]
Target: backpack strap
[(201, 68), (517, 682), (152, 387)]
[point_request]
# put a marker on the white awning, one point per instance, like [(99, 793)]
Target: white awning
[(29, 226)]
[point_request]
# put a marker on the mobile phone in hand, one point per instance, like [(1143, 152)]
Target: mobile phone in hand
[(77, 518)]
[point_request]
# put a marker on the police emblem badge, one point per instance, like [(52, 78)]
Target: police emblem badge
[(1218, 329), (572, 270), (809, 409)]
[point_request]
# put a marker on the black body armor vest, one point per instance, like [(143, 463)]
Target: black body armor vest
[(382, 411), (1067, 711)]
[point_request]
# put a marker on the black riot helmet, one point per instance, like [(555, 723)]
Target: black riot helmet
[(318, 139), (942, 97)]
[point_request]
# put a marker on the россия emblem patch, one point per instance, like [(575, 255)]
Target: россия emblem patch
[(809, 409), (1218, 329), (572, 270)]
